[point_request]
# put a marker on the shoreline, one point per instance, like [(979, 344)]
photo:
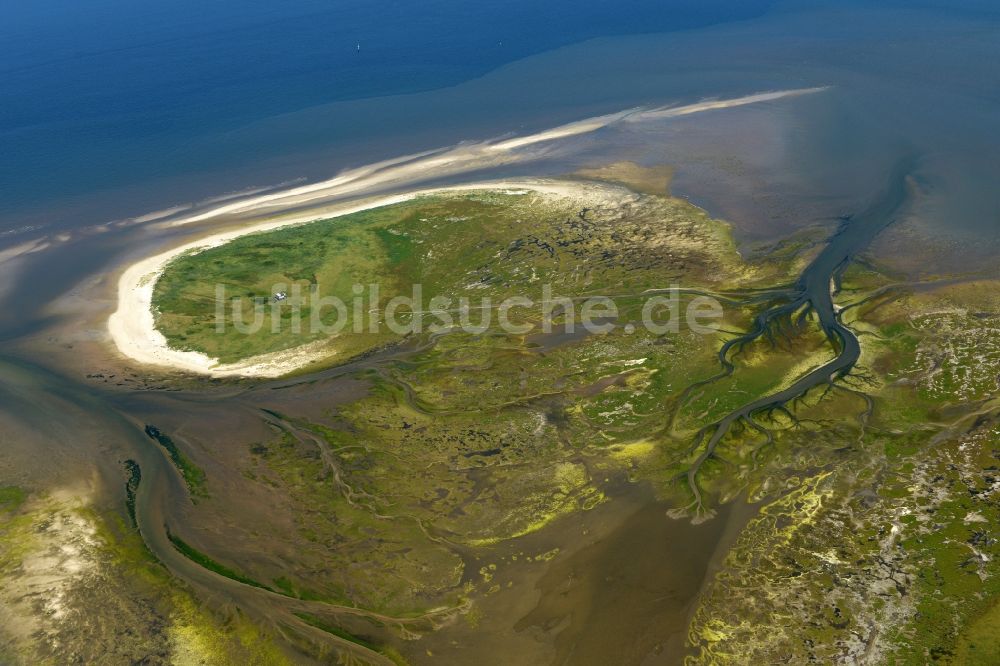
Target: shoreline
[(132, 327), (464, 157)]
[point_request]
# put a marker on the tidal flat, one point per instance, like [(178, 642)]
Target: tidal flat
[(553, 498), (816, 481)]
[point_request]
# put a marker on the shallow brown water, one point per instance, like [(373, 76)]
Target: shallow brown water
[(626, 599)]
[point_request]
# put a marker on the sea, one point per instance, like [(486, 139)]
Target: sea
[(110, 109), (155, 100)]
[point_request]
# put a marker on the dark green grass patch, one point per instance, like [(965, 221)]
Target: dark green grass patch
[(207, 562), (193, 475)]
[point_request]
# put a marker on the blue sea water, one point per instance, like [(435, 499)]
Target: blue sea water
[(102, 94), (113, 108)]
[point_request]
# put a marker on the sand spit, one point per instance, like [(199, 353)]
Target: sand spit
[(463, 158)]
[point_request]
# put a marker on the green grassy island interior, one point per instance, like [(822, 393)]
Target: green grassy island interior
[(511, 432)]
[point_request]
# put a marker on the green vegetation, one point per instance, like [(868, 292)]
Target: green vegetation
[(204, 560), (355, 549), (15, 534), (477, 245), (885, 551), (11, 497), (878, 493), (979, 645), (194, 476), (387, 651), (336, 631), (131, 486)]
